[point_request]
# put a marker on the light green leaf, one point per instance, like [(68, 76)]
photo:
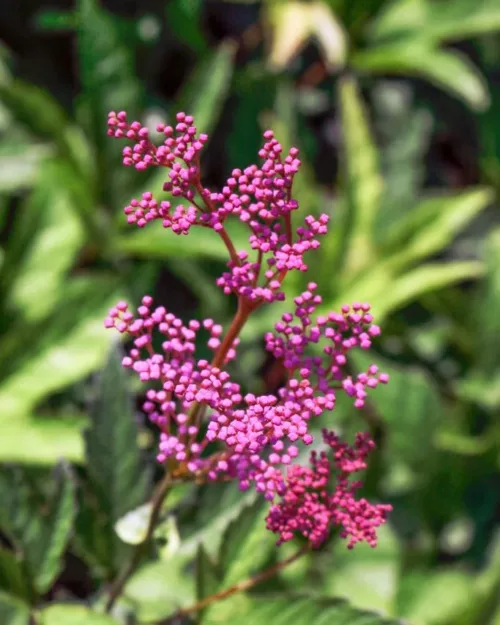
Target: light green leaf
[(57, 530), (432, 226), (444, 20), (118, 480), (154, 241), (132, 528), (363, 180), (54, 234), (66, 347), (68, 614), (448, 70), (366, 577), (160, 588), (13, 611), (423, 279), (19, 165), (42, 440), (281, 609)]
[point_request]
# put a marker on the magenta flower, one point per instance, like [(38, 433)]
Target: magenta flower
[(195, 404)]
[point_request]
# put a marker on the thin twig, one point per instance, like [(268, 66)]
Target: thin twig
[(156, 502), (239, 587)]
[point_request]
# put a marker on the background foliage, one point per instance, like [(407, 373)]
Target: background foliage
[(396, 108)]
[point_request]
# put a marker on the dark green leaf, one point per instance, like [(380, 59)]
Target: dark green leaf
[(118, 480), (57, 530), (106, 47), (207, 88), (208, 575), (14, 578)]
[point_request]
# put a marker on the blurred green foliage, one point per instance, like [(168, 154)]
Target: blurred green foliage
[(367, 90)]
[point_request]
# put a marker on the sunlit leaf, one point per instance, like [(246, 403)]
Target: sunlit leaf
[(444, 20), (363, 180), (446, 69), (68, 614)]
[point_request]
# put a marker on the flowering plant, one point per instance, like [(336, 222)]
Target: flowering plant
[(209, 430)]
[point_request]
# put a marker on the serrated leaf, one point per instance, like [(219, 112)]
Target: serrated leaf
[(246, 543), (67, 614), (208, 575), (13, 611), (363, 179), (445, 20), (448, 70), (118, 480), (282, 609), (57, 530)]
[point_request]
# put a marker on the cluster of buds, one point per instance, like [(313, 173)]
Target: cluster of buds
[(209, 428)]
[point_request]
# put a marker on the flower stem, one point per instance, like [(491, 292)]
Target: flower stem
[(239, 587), (156, 504)]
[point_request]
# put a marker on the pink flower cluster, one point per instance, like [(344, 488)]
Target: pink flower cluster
[(209, 428), (310, 506)]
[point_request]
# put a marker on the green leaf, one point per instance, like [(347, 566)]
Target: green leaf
[(207, 88), (282, 609), (366, 577), (411, 407), (160, 588), (67, 614), (154, 241), (444, 20), (432, 226), (57, 530), (44, 243), (56, 21), (42, 440), (203, 96), (59, 351), (118, 480), (19, 164), (363, 180), (208, 575), (246, 544), (423, 279), (106, 55), (13, 611), (448, 70), (14, 578)]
